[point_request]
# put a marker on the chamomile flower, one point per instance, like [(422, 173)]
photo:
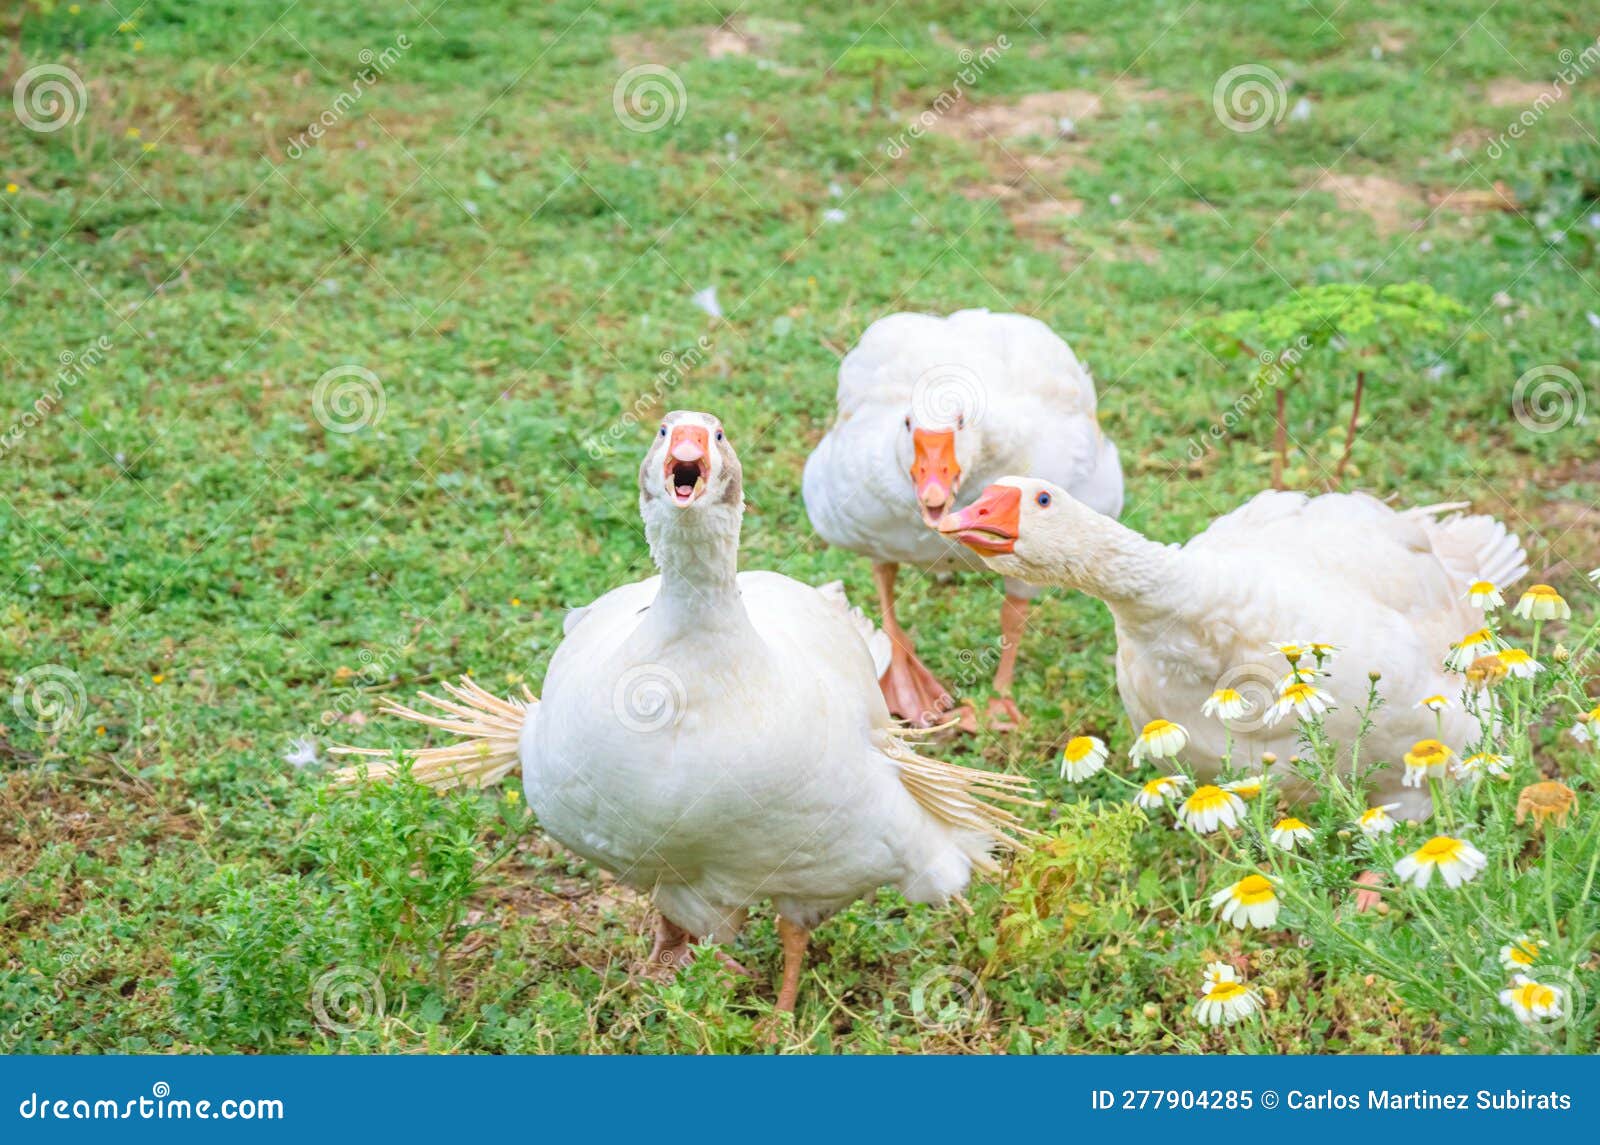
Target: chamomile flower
[(1541, 602), (1160, 739), (1530, 1000), (1291, 832), (1292, 650), (1521, 952), (1456, 860), (1297, 676), (1519, 664), (1434, 703), (1246, 789), (1587, 730), (1486, 671), (1225, 1001), (1225, 704), (1217, 973), (1427, 759), (1156, 792), (1249, 902), (1322, 651), (1377, 821), (1082, 757), (1470, 647), (1210, 807), (1303, 699), (1484, 594), (1482, 763)]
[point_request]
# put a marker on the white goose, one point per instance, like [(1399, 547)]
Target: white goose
[(1387, 588), (715, 738), (929, 407)]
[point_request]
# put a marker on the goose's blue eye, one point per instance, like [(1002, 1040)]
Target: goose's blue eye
[(1043, 500), (719, 435), (663, 431)]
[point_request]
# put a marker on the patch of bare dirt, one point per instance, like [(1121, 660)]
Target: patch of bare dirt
[(745, 37), (1037, 115), (1390, 204), (1474, 200), (1509, 92), (1391, 40)]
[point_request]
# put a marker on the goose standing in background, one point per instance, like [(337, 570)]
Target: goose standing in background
[(715, 738), (929, 408), (1388, 588)]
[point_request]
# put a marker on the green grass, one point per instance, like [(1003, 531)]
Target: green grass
[(217, 570)]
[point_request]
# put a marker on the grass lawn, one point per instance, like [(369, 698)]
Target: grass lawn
[(486, 269)]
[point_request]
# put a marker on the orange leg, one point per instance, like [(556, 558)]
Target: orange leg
[(1004, 715), (795, 939), (911, 691)]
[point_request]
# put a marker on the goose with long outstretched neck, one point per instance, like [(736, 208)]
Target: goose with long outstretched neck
[(1388, 588), (930, 410), (716, 738)]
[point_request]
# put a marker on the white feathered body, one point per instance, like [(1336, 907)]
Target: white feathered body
[(716, 766), (1387, 587), (1028, 405)]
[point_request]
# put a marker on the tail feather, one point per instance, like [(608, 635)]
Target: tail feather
[(487, 752), (1474, 547), (966, 798)]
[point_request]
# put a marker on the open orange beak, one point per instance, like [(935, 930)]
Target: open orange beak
[(687, 464), (989, 524), (934, 471)]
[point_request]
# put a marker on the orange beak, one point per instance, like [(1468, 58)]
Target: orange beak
[(934, 471), (989, 524), (686, 465)]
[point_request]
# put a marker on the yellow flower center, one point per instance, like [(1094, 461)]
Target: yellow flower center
[(1481, 588), (1252, 889), (1158, 786), (1439, 849), (1544, 591), (1227, 991), (1482, 636), (1079, 747), (1374, 815), (1295, 693), (1523, 953), (1225, 696), (1290, 825), (1427, 753), (1533, 995), (1156, 728), (1205, 797)]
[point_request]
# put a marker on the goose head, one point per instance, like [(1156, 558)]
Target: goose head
[(1025, 528), (938, 448), (690, 474)]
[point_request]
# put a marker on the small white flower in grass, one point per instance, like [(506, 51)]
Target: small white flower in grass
[(1249, 902), (1587, 729), (1530, 1000), (1225, 704), (1427, 759), (1290, 832), (1484, 594), (1322, 651), (1377, 821), (1483, 763), (1456, 860), (1594, 577), (1297, 676), (1541, 602), (1434, 703), (1519, 664), (1224, 999), (302, 752), (1156, 792), (1474, 644), (1293, 650), (707, 300), (1302, 699), (1521, 952), (1246, 789), (1210, 807), (1082, 757), (1160, 739)]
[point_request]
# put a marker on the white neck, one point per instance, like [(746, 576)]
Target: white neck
[(1138, 579), (697, 552)]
